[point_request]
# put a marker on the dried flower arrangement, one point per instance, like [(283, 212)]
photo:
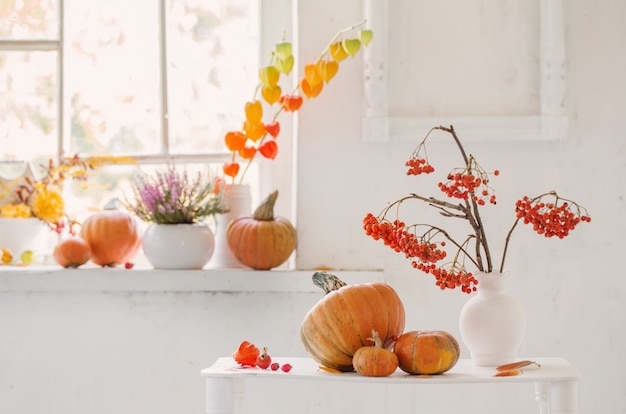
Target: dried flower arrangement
[(173, 197), (42, 198), (548, 213)]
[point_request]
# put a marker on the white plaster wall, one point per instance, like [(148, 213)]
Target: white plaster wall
[(104, 352), (573, 289)]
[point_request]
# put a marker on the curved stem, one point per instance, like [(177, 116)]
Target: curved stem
[(506, 244), (474, 213)]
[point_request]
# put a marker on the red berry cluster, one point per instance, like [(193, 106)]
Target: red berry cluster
[(451, 279), (418, 166), (550, 219), (248, 355), (465, 184), (396, 236)]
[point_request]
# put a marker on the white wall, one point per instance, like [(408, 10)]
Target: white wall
[(140, 352), (573, 289)]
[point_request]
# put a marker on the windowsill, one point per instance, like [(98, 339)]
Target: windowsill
[(97, 279)]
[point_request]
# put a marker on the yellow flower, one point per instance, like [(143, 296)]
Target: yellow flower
[(15, 211), (48, 205)]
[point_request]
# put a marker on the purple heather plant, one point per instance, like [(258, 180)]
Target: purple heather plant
[(172, 197)]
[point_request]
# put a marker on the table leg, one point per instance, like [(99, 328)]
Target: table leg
[(563, 397), (224, 395), (542, 396)]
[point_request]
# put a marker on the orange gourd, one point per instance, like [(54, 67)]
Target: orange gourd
[(375, 361), (262, 241), (113, 236), (340, 323), (72, 252), (426, 352)]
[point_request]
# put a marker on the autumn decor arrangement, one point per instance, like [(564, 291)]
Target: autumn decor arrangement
[(340, 323), (259, 131), (31, 203), (176, 205), (493, 336), (262, 241), (258, 135)]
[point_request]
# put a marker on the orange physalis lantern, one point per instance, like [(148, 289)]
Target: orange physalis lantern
[(254, 112)]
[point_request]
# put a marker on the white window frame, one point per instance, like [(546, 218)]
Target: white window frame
[(277, 20), (549, 125)]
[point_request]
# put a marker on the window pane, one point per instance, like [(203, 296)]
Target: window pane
[(28, 105), (112, 76), (27, 20), (212, 63)]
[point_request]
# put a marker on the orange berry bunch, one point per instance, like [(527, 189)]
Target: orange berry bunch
[(397, 237), (550, 219), (450, 279), (259, 137), (471, 182), (419, 166), (470, 185)]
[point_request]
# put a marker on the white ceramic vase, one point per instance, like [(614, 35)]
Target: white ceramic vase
[(238, 200), (22, 234), (178, 246), (493, 322)]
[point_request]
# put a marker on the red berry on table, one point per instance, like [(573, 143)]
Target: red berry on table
[(128, 265), (264, 360), (275, 366), (286, 367)]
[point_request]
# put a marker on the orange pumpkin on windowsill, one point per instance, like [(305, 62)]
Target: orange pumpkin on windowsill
[(113, 236), (262, 241)]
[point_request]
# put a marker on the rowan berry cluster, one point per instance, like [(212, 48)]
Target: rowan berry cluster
[(419, 166), (470, 185), (557, 218), (397, 237)]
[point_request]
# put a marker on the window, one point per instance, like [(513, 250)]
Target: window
[(156, 80)]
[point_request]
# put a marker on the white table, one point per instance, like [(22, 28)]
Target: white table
[(555, 381)]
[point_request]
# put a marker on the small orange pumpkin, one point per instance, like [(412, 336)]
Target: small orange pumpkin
[(340, 323), (72, 252), (375, 361), (262, 241), (113, 236), (426, 352)]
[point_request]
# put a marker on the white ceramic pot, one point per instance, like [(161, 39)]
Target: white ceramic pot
[(178, 246), (493, 322), (22, 234), (239, 201)]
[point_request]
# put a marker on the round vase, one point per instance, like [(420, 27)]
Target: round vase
[(238, 200), (178, 246), (492, 323), (22, 234)]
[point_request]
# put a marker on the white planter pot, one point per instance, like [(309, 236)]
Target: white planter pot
[(239, 201), (178, 246), (21, 234), (492, 323)]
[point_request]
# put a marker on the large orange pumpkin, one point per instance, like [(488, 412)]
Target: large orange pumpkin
[(113, 236), (340, 323), (426, 352), (262, 241)]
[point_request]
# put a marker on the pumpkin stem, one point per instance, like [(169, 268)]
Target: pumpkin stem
[(327, 281), (112, 204), (378, 343), (265, 211)]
